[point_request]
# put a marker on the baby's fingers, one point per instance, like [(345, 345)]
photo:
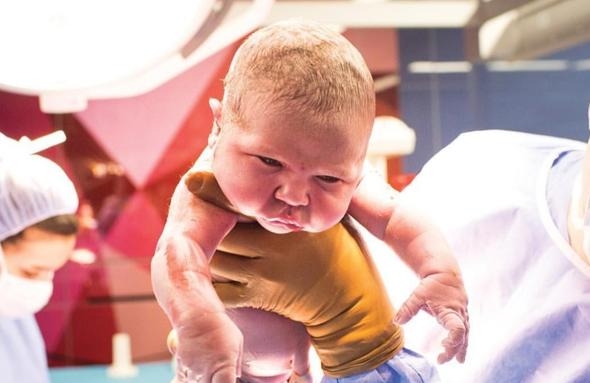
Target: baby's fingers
[(455, 344), (410, 308)]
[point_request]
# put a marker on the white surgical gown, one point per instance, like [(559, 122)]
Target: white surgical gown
[(22, 352), (529, 293)]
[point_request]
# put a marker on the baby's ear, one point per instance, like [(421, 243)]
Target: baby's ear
[(215, 106)]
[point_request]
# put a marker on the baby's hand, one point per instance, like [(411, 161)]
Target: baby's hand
[(209, 352), (443, 296)]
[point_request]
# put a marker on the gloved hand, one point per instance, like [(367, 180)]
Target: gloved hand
[(172, 341), (443, 296), (208, 351)]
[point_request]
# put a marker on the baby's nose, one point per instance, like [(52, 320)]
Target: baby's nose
[(293, 194)]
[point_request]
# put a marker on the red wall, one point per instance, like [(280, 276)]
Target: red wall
[(125, 157)]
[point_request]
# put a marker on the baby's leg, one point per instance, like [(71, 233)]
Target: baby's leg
[(274, 346)]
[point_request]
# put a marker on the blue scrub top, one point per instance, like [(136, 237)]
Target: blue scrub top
[(22, 351), (501, 199)]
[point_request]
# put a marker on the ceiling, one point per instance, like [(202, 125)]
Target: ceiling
[(71, 57), (367, 13), (495, 29), (390, 13)]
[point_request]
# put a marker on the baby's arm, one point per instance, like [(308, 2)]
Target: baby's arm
[(210, 344), (422, 246)]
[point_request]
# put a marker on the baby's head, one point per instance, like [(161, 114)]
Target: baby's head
[(294, 125), (305, 68)]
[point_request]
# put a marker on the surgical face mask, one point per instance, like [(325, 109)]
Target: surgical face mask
[(21, 296)]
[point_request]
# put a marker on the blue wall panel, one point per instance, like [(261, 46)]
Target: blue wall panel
[(441, 106)]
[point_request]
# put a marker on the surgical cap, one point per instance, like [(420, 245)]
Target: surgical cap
[(32, 189)]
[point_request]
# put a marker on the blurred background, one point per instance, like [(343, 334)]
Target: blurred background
[(442, 67)]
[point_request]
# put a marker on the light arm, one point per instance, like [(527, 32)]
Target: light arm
[(422, 246), (209, 343)]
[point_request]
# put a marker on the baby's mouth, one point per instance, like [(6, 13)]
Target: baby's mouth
[(284, 222)]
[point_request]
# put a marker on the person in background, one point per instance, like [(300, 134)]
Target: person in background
[(268, 225), (38, 228), (515, 209)]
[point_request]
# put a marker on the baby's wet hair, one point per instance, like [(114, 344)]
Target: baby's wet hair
[(302, 65)]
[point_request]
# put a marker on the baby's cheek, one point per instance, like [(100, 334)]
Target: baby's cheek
[(327, 219)]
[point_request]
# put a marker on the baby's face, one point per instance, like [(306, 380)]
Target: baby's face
[(287, 173)]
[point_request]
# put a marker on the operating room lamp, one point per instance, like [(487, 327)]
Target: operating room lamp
[(69, 51)]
